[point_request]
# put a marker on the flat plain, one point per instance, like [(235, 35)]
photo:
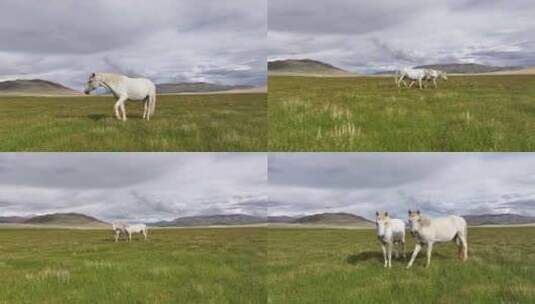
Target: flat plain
[(346, 266), (466, 113), (204, 122), (173, 266)]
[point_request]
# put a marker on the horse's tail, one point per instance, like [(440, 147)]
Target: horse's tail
[(152, 103)]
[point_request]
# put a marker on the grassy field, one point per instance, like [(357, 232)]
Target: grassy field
[(174, 266), (217, 122), (466, 113), (346, 266)]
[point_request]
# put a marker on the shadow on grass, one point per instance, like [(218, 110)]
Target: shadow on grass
[(97, 117), (364, 256)]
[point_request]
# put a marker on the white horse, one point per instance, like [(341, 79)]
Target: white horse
[(427, 231), (434, 75), (390, 232), (419, 75), (137, 228), (124, 88), (411, 74), (118, 229)]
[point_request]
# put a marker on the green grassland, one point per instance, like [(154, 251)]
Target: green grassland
[(346, 266), (466, 113), (173, 266), (216, 122)]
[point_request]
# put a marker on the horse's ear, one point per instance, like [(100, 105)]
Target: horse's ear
[(377, 213), (410, 211), (418, 211), (93, 75), (386, 213)]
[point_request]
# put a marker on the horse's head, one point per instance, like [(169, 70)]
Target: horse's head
[(91, 84), (415, 221), (443, 75), (382, 221)]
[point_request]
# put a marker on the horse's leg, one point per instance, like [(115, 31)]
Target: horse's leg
[(429, 250), (384, 254), (435, 82), (420, 83), (403, 248), (117, 106), (123, 109), (390, 254), (414, 254), (146, 107), (464, 248)]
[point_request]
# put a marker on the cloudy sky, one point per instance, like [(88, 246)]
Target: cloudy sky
[(133, 186), (164, 40), (367, 36), (437, 183)]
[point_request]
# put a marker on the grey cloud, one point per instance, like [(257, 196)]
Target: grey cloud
[(65, 41), (436, 183), (338, 171), (528, 203), (371, 36), (133, 186), (339, 16)]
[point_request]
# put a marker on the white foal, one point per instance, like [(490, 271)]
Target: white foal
[(390, 232), (124, 88), (118, 229), (428, 231)]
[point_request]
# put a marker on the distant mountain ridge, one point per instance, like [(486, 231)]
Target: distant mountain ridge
[(304, 66), (212, 220), (339, 218), (327, 219), (467, 68), (498, 219), (34, 87), (12, 219), (66, 219), (196, 87)]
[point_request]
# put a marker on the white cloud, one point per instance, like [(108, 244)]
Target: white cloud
[(133, 186), (164, 40), (439, 183), (368, 36)]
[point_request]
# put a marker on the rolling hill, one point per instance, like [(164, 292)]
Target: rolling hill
[(212, 220), (498, 219), (304, 66), (524, 71), (64, 219), (281, 219), (196, 87), (12, 219), (34, 87), (334, 219), (467, 68)]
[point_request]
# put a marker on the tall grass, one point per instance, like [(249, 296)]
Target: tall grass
[(173, 266), (218, 122), (466, 113), (346, 266)]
